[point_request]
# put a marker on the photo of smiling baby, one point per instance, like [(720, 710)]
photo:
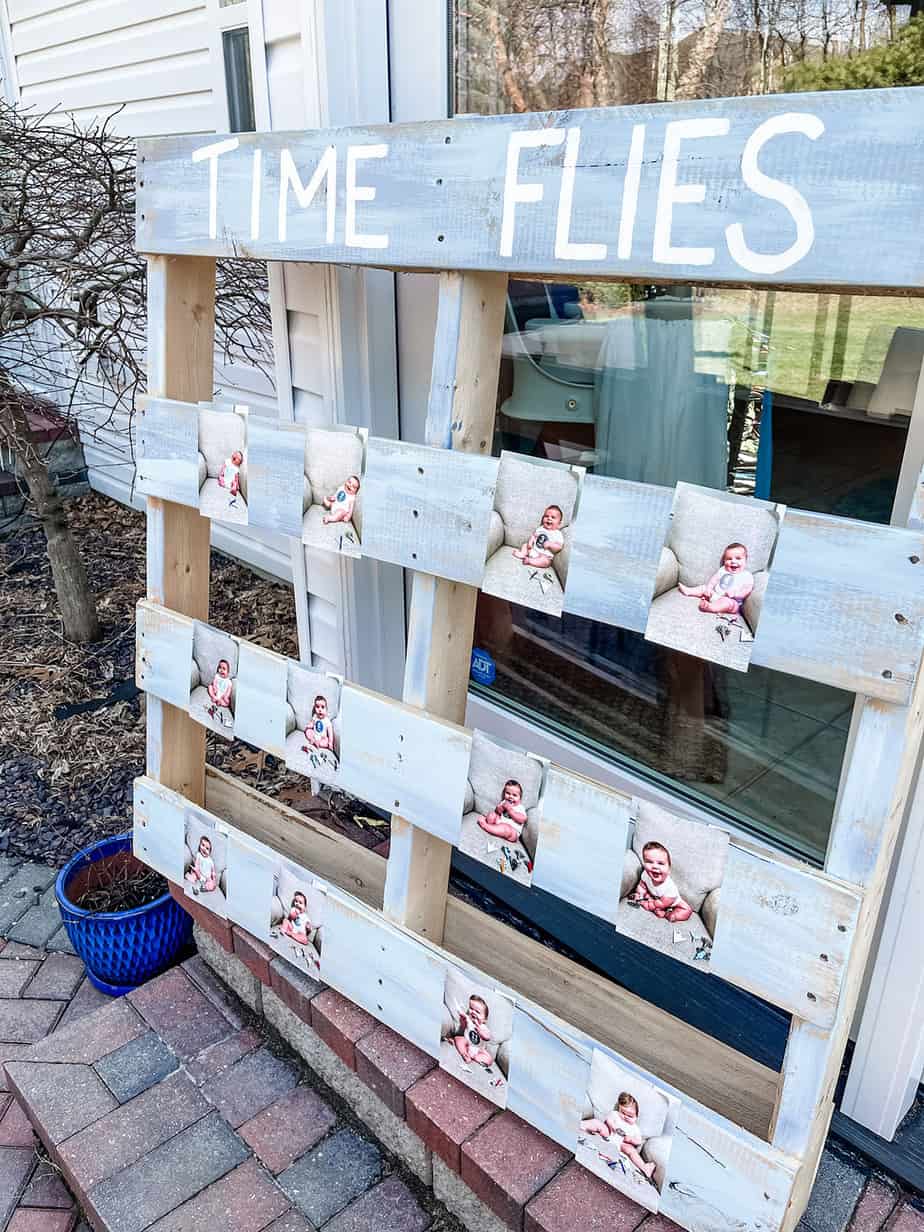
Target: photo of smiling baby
[(710, 583), (213, 679), (223, 464), (205, 864), (333, 483), (313, 723), (475, 1036), (501, 817), (535, 503), (673, 872), (626, 1131), (296, 917)]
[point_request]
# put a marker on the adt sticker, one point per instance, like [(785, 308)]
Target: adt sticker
[(484, 670)]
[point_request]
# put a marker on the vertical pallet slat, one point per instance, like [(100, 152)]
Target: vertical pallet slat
[(876, 780), (181, 340), (466, 360)]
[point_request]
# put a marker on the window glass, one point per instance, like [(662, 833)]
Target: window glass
[(794, 397), (238, 81)]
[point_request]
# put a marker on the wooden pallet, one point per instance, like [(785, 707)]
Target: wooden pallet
[(620, 194)]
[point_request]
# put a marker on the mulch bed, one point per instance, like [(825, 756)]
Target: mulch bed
[(71, 720)]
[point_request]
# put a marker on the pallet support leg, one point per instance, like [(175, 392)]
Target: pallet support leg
[(181, 344), (463, 394)]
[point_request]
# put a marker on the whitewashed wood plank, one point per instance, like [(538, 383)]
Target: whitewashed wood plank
[(785, 933), (845, 605), (428, 509), (158, 832), (260, 704), (400, 758), (275, 475), (618, 536), (251, 869), (167, 442), (163, 653), (388, 973), (583, 841), (548, 1078), (565, 195)]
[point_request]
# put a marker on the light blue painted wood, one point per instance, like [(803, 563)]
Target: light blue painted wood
[(275, 475), (428, 509), (159, 831), (163, 653), (548, 1079), (168, 451), (814, 189), (251, 870), (260, 698)]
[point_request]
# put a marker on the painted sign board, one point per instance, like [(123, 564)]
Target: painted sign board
[(801, 190)]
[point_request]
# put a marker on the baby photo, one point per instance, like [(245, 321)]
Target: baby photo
[(313, 723), (529, 541), (296, 915), (213, 678), (713, 574), (223, 464), (475, 1036), (501, 814), (332, 503), (205, 864), (626, 1131), (669, 897)]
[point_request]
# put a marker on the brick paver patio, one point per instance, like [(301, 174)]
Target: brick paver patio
[(178, 1109)]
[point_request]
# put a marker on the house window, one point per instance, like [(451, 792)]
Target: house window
[(799, 398), (238, 80)]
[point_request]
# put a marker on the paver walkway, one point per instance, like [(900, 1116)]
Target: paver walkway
[(176, 1110)]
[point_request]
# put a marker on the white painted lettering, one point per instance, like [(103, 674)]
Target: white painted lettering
[(565, 248), (670, 193), (256, 186), (775, 190), (212, 153), (360, 192), (304, 195), (514, 192), (630, 193)]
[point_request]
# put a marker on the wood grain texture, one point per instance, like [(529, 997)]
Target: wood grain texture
[(260, 702), (582, 844), (460, 416), (439, 194), (785, 933), (163, 653), (720, 1077), (399, 758), (181, 344), (275, 475), (428, 509), (168, 451), (548, 1078), (159, 829)]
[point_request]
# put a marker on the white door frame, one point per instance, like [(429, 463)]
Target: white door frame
[(889, 1053)]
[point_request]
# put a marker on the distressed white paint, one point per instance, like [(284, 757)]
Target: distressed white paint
[(159, 831), (275, 475), (163, 654), (260, 701), (167, 450)]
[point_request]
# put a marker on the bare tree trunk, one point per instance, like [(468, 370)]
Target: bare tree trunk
[(75, 602), (693, 77)]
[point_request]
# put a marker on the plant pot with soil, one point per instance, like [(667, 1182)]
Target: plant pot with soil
[(120, 916)]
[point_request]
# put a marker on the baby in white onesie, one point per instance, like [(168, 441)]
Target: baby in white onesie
[(340, 505), (656, 890), (297, 924), (508, 817), (622, 1125), (202, 874), (545, 541), (320, 732), (230, 474), (222, 684), (729, 586)]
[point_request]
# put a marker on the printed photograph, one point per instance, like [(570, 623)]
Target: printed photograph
[(475, 1036), (712, 575), (213, 679), (626, 1131), (223, 464), (669, 898), (501, 814), (313, 724), (296, 915), (529, 541), (334, 462), (205, 863)]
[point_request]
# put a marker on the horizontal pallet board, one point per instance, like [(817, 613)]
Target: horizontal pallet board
[(749, 190), (844, 603), (399, 979), (784, 931)]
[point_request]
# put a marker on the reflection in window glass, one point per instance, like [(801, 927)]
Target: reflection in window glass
[(238, 82), (794, 397)]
